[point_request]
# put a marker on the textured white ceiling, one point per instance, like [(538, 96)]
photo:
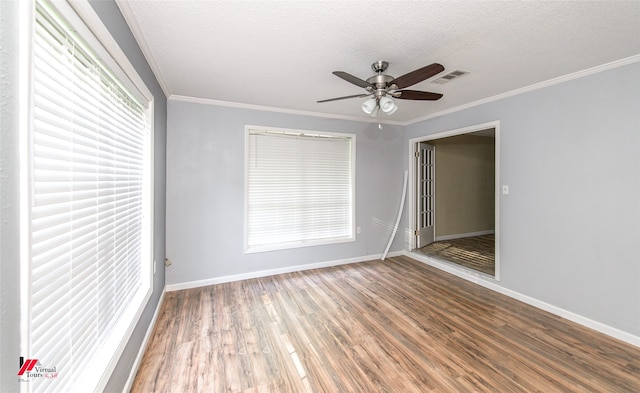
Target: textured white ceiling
[(280, 54)]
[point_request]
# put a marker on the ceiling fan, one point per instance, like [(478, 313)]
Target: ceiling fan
[(381, 87)]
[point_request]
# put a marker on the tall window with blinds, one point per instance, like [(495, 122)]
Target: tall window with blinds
[(89, 212), (299, 188)]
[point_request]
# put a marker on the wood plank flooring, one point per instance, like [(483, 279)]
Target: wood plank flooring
[(381, 326), (474, 252)]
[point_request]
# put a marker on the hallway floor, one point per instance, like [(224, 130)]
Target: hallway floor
[(476, 252)]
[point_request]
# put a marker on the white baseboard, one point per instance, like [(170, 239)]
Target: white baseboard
[(488, 282), (273, 272), (468, 234), (143, 346)]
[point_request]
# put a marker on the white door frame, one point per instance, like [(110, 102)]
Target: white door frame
[(412, 180)]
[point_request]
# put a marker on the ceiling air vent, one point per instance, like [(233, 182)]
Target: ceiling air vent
[(450, 76)]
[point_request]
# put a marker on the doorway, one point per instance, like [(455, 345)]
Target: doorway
[(454, 197)]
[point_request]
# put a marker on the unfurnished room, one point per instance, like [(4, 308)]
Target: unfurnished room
[(319, 196)]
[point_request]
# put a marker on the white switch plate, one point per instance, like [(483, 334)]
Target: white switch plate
[(505, 189), (358, 229)]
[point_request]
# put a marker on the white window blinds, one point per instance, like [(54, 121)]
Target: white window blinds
[(300, 189), (89, 184)]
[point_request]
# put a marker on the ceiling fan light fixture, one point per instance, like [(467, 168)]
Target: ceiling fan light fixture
[(369, 106), (392, 111), (387, 105)]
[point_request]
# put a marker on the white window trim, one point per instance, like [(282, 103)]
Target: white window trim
[(285, 246), (81, 15)]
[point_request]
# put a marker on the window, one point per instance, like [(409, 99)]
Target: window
[(87, 215), (299, 188)]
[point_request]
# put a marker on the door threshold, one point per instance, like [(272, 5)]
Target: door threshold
[(440, 261)]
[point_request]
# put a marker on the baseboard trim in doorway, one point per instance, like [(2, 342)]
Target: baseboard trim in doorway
[(488, 282), (463, 235), (273, 272)]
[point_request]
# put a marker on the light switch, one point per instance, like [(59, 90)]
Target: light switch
[(505, 189)]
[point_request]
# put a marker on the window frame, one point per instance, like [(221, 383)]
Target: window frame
[(248, 249), (90, 28)]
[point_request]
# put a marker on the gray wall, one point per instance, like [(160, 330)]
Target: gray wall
[(9, 213), (113, 20), (570, 226), (205, 191)]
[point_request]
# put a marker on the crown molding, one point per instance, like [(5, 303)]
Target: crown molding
[(127, 13), (536, 86), (228, 104), (526, 89)]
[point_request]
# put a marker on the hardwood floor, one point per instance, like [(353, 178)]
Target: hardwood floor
[(475, 252), (394, 326)]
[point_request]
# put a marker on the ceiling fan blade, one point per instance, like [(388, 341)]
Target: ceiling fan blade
[(417, 76), (417, 95), (352, 79), (342, 98)]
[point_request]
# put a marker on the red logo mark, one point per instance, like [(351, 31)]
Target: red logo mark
[(27, 366)]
